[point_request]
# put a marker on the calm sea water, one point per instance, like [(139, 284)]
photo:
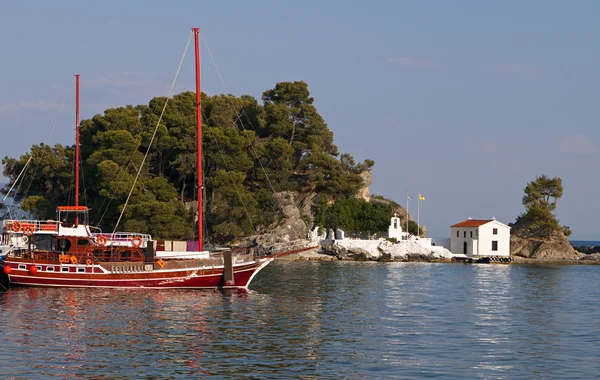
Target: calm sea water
[(313, 320)]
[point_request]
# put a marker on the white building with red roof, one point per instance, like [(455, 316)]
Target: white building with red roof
[(480, 238)]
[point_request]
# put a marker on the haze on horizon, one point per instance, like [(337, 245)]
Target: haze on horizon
[(463, 102)]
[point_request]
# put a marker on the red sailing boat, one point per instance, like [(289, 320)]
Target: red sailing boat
[(66, 253)]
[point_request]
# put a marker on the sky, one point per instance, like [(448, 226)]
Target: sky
[(464, 102)]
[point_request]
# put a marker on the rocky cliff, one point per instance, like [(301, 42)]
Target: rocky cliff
[(556, 247), (296, 223), (383, 250)]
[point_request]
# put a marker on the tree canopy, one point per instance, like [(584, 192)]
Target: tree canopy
[(540, 198), (249, 151)]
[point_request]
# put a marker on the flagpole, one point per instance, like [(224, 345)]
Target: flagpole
[(406, 214), (419, 215)]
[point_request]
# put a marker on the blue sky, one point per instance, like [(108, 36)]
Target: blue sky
[(464, 102)]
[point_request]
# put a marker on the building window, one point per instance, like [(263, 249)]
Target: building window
[(471, 234), (476, 233), (457, 233), (465, 234), (494, 245), (495, 231)]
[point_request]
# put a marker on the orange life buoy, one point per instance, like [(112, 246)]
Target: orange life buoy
[(88, 262), (73, 260), (28, 230), (136, 241), (101, 241), (16, 227)]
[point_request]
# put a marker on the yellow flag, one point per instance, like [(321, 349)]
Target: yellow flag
[(421, 198)]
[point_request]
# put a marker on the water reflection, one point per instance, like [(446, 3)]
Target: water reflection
[(317, 320)]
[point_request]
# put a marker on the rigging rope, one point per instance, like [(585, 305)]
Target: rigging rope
[(120, 174), (239, 118), (41, 158), (231, 176), (154, 134)]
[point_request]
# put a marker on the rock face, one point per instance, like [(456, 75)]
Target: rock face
[(383, 250), (364, 193), (297, 212), (556, 247)]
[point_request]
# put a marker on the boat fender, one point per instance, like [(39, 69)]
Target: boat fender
[(7, 269), (101, 241), (136, 241), (33, 269)]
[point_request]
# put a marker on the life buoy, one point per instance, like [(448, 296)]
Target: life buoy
[(101, 240), (28, 230), (136, 241), (16, 227), (73, 260), (24, 239), (88, 262), (63, 258)]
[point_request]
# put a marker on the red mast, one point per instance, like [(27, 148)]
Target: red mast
[(199, 139), (76, 140)]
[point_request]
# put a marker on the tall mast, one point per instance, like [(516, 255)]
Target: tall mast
[(199, 139), (76, 139)]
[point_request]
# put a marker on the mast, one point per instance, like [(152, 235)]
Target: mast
[(199, 140), (76, 141)]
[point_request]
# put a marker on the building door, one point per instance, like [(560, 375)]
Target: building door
[(465, 247)]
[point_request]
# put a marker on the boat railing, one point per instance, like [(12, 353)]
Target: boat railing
[(124, 238), (21, 225)]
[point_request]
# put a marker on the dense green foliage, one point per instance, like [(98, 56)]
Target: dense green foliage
[(358, 215), (540, 200), (250, 151)]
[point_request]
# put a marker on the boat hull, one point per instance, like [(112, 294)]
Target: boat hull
[(193, 278)]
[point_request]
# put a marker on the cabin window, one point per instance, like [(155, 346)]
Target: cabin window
[(64, 245), (49, 269), (45, 242), (22, 266), (82, 242), (471, 233), (64, 269), (495, 231), (39, 267), (80, 270), (494, 245)]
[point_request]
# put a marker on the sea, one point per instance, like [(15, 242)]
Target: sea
[(317, 320)]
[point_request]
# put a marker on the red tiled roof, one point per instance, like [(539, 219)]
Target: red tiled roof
[(472, 223)]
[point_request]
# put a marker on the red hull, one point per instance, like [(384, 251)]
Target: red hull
[(181, 279)]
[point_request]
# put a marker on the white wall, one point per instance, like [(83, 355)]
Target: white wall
[(486, 233), (465, 234), (480, 244)]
